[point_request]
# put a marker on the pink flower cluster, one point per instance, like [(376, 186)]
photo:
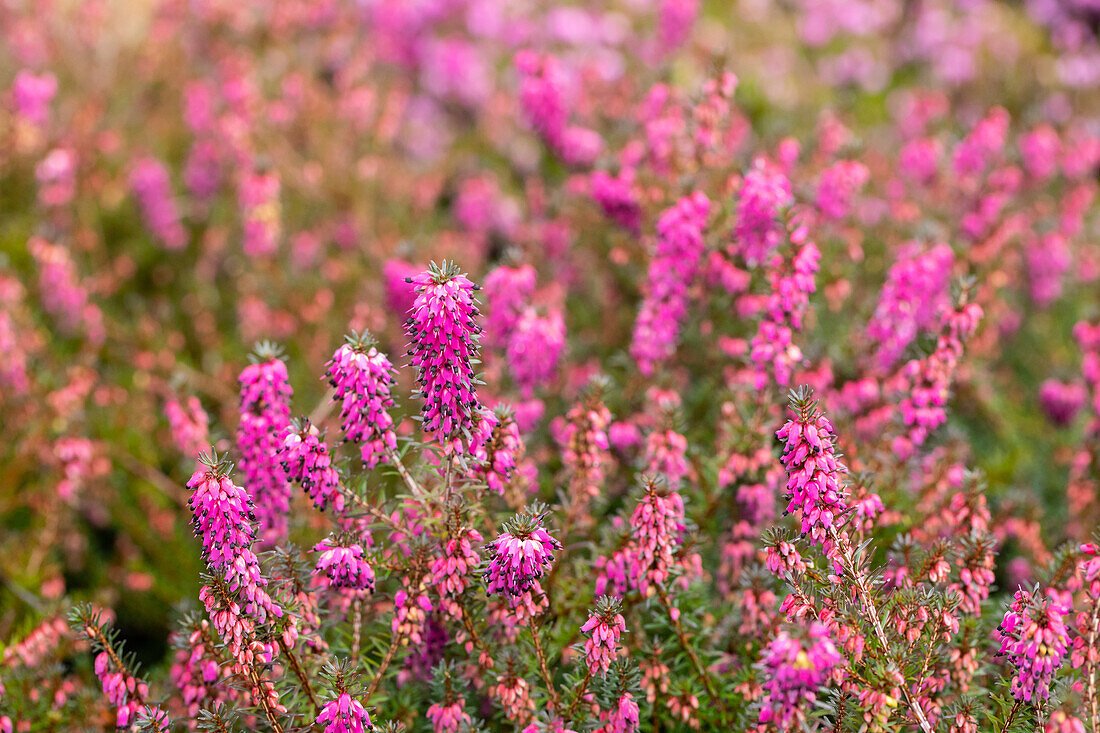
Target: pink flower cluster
[(362, 377), (814, 482), (443, 344), (1035, 640), (791, 284), (153, 190), (603, 626), (451, 571), (342, 561), (305, 458), (63, 295), (534, 349), (499, 455), (765, 193), (914, 295), (265, 417), (794, 669), (544, 92), (521, 555), (672, 271), (189, 424), (344, 714), (508, 290), (656, 524), (222, 518)]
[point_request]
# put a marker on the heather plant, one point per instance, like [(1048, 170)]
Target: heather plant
[(480, 365)]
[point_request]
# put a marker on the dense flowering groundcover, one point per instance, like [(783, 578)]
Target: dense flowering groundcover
[(463, 365)]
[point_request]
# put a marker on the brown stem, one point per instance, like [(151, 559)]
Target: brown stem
[(414, 487), (356, 630), (699, 669), (577, 698), (301, 674), (394, 643), (269, 712), (555, 701), (860, 582), (1011, 716)]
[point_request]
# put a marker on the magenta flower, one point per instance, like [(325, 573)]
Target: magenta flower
[(499, 455), (305, 459), (672, 270), (345, 714), (534, 348), (343, 563), (625, 717), (813, 469), (837, 185), (448, 717), (794, 670), (450, 572), (1035, 639), (507, 292), (189, 424), (910, 301), (656, 523), (32, 95), (265, 417), (618, 199), (443, 343), (153, 191), (1062, 401), (675, 19), (604, 626), (362, 377), (521, 555), (765, 193), (223, 519)]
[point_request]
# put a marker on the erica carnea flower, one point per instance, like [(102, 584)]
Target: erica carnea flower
[(914, 292), (342, 713), (794, 669), (1035, 639), (189, 424), (624, 718), (362, 377), (765, 192), (443, 346), (265, 416), (672, 270), (153, 191), (447, 717), (345, 714), (618, 198), (813, 470), (342, 561), (450, 571), (656, 522), (534, 348), (306, 459), (32, 94), (499, 455), (507, 293), (521, 555), (585, 442), (603, 626), (223, 519)]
